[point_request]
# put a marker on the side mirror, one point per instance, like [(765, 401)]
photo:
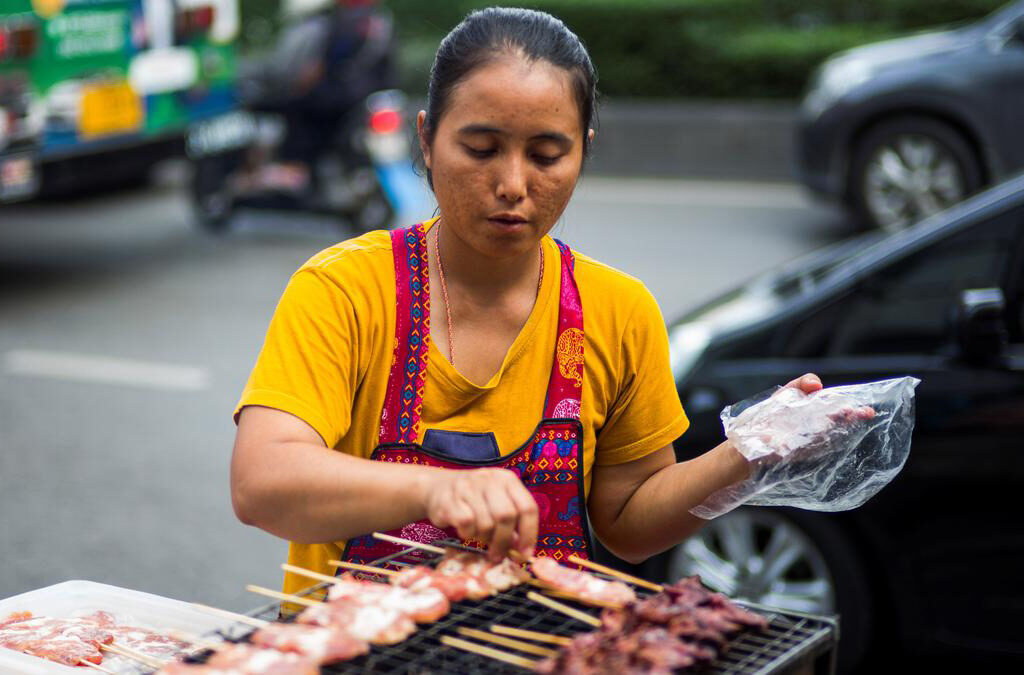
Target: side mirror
[(981, 325)]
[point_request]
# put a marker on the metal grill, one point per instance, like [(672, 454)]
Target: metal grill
[(792, 640)]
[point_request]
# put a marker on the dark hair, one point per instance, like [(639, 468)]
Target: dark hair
[(487, 33)]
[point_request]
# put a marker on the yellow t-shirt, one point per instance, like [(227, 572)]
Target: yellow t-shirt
[(328, 350)]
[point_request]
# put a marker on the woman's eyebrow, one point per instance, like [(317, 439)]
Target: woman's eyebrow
[(552, 136), (479, 129), (471, 129)]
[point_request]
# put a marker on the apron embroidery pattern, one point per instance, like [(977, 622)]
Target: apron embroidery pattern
[(412, 336), (570, 355), (550, 464)]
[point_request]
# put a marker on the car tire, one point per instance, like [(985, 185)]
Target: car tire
[(820, 551), (906, 168)]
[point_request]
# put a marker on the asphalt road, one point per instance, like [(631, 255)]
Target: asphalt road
[(126, 337)]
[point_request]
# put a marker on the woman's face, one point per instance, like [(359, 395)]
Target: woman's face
[(506, 155)]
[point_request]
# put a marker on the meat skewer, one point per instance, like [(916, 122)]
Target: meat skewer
[(459, 575), (685, 625), (146, 642), (376, 625), (65, 641), (423, 605), (491, 577), (582, 584), (481, 577), (241, 659), (324, 644)]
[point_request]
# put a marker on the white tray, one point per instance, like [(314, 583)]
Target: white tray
[(75, 598)]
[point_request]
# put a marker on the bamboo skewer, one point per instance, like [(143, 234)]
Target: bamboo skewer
[(238, 618), (408, 542), (637, 581), (144, 659), (90, 664), (310, 573), (297, 599), (531, 635), (564, 609), (507, 642), (490, 652), (356, 567)]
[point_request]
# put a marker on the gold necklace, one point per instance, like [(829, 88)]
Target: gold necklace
[(444, 288)]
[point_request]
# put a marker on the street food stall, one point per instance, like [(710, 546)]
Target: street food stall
[(427, 608)]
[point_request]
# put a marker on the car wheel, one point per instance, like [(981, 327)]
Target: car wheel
[(908, 168), (782, 559)]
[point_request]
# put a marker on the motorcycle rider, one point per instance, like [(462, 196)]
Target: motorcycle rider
[(330, 56)]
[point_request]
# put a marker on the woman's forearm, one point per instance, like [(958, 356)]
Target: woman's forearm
[(657, 516), (309, 494)]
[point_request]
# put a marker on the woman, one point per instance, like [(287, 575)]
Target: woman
[(530, 346)]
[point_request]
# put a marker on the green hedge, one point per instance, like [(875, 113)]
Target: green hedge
[(701, 48)]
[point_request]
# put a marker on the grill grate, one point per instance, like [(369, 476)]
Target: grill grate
[(792, 639)]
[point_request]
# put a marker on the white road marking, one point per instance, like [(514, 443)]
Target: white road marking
[(711, 193), (104, 369)]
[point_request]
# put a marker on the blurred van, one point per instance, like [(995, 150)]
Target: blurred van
[(108, 84)]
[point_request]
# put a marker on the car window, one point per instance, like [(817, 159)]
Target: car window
[(908, 307)]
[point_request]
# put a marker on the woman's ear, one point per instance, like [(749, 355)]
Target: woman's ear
[(590, 135), (421, 119)]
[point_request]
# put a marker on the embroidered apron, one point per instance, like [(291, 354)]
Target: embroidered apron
[(550, 463)]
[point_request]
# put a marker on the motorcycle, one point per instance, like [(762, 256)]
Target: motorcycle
[(359, 172)]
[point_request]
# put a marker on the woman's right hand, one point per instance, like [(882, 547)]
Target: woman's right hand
[(489, 505)]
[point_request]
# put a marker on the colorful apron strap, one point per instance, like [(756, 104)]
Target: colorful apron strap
[(566, 384), (403, 401)]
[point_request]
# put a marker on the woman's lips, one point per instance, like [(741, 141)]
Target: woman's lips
[(507, 221)]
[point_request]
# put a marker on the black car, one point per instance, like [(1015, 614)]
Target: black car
[(901, 129), (931, 566)]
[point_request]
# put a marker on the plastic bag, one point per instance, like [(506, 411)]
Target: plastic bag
[(827, 451)]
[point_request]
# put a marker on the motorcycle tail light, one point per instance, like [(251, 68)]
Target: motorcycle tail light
[(203, 18), (195, 21), (385, 121)]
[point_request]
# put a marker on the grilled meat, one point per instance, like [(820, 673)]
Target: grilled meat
[(582, 584)]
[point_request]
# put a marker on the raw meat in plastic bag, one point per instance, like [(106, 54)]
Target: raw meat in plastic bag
[(831, 450)]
